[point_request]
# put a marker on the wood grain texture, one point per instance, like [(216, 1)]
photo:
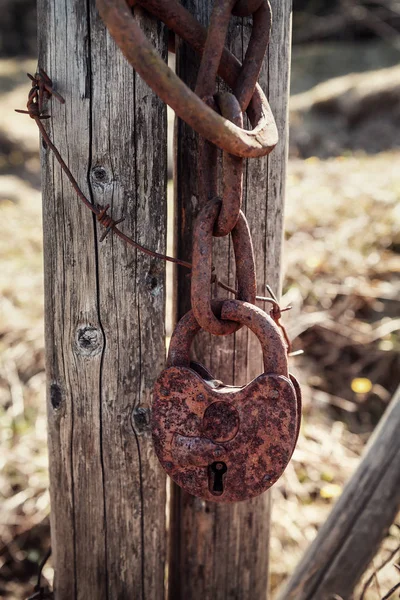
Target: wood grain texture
[(350, 538), (105, 333), (221, 551)]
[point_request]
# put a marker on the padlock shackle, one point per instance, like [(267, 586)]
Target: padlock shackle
[(266, 330), (181, 341), (268, 333)]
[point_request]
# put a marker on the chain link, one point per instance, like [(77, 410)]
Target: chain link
[(232, 167), (202, 268), (255, 53)]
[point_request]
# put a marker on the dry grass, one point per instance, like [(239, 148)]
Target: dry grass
[(342, 265), (23, 460)]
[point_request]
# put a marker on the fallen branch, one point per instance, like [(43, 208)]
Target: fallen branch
[(351, 536)]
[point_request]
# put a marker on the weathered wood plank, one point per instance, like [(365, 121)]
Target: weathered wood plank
[(105, 334), (217, 551), (350, 538)]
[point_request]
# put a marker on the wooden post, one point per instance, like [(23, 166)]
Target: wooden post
[(221, 551), (352, 534), (104, 307)]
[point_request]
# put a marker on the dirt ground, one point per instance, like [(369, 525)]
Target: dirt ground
[(342, 266)]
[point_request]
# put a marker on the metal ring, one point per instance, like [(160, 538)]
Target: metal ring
[(182, 337), (266, 330), (188, 106), (202, 268)]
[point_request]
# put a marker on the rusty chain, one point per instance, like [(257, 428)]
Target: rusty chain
[(170, 88), (223, 217), (218, 118)]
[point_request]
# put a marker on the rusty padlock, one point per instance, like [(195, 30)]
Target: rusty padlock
[(224, 443)]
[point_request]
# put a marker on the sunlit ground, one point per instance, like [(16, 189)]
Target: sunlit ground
[(341, 277)]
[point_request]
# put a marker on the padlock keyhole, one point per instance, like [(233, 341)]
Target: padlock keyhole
[(217, 472)]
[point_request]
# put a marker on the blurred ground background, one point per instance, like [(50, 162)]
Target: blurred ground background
[(342, 277)]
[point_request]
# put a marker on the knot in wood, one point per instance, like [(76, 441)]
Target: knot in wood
[(100, 175), (89, 341), (141, 419)]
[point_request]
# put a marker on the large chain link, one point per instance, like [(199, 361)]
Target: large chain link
[(202, 267), (171, 89)]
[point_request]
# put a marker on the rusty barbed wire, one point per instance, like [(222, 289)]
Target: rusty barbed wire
[(41, 90), (36, 97), (276, 314), (104, 219)]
